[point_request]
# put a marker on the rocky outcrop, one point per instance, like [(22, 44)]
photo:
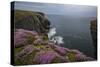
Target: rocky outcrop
[(33, 48), (93, 25), (28, 20), (93, 29)]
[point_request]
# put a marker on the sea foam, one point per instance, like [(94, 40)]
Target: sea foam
[(52, 36)]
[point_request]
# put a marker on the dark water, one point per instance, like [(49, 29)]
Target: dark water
[(75, 31)]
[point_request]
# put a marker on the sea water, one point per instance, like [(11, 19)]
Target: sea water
[(74, 32)]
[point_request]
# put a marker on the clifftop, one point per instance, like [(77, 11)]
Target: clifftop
[(32, 48), (30, 20)]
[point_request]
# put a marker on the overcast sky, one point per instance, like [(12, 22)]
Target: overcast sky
[(72, 10)]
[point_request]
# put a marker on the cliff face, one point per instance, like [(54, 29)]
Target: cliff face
[(33, 48), (94, 25), (93, 28), (31, 21)]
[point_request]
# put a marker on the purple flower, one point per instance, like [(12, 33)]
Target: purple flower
[(21, 37), (60, 50), (44, 57), (82, 57)]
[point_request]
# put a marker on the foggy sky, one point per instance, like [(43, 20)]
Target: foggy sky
[(62, 9)]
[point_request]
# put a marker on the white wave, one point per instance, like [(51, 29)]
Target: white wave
[(52, 32), (55, 39)]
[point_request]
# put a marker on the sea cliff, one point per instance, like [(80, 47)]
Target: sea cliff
[(32, 44)]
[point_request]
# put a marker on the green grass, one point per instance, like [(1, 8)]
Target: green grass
[(71, 56), (26, 60)]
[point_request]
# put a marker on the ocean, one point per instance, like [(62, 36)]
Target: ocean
[(75, 32)]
